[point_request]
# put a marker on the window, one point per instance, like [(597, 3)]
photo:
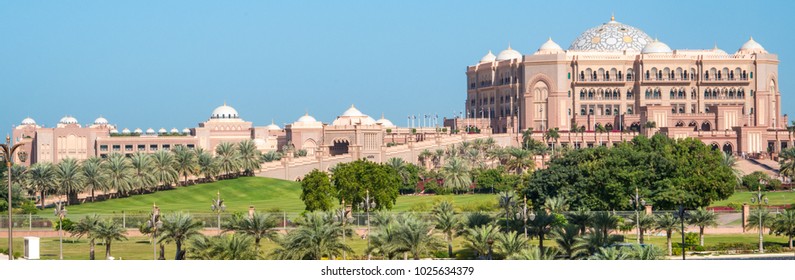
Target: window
[(153, 147), (141, 147), (166, 147), (569, 93), (128, 148), (116, 148), (190, 146), (582, 111), (752, 75), (569, 76), (103, 148)]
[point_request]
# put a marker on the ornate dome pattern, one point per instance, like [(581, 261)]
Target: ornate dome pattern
[(68, 120), (509, 54), (612, 36), (101, 120), (224, 112), (28, 121)]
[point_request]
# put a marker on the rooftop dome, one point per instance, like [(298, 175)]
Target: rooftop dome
[(369, 121), (224, 112), (611, 36), (139, 131), (752, 46), (185, 130), (509, 54), (150, 131), (101, 120), (125, 131), (717, 50), (489, 57), (656, 47), (550, 45), (28, 121), (162, 130), (385, 122), (273, 126), (174, 130), (352, 112), (68, 120), (114, 131), (306, 119)]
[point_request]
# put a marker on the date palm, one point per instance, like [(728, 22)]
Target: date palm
[(120, 173), (604, 222), (142, 168), (730, 161), (315, 237), (667, 223), (456, 175), (179, 227), (224, 247), (787, 161), (185, 162), (95, 175), (542, 225), (250, 157), (511, 242), (610, 253), (784, 224), (507, 201), (581, 218), (424, 157), (208, 165), (644, 222), (163, 169), (228, 158), (41, 179), (87, 227), (533, 253), (259, 226), (566, 239), (69, 179), (108, 231), (416, 236), (478, 239), (383, 241), (448, 222), (556, 205), (520, 160), (702, 219)]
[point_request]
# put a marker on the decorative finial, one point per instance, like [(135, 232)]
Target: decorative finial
[(509, 45), (224, 102), (272, 121), (382, 115), (352, 106), (612, 17)]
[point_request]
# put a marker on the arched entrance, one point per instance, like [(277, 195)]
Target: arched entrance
[(635, 127), (727, 148), (714, 146), (340, 147), (706, 126)]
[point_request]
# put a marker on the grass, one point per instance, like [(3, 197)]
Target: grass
[(265, 194), (775, 198)]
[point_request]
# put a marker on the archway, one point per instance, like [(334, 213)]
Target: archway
[(680, 124), (635, 127), (309, 146), (340, 147), (727, 148), (609, 127), (714, 146), (706, 126)]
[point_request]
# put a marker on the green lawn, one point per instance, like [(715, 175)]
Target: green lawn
[(775, 198), (263, 193)]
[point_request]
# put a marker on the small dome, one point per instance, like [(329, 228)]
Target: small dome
[(125, 131), (352, 112), (384, 122), (28, 121), (162, 130), (368, 121), (752, 46), (509, 54), (306, 119), (150, 131), (717, 50), (68, 120), (656, 47), (139, 131), (550, 45), (489, 57), (101, 120), (185, 130), (224, 112), (273, 126), (114, 131), (174, 130)]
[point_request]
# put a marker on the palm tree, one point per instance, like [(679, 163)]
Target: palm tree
[(604, 222), (383, 239), (755, 216), (520, 160), (163, 170), (250, 157), (507, 200), (316, 236), (185, 162), (456, 174), (511, 243), (69, 179), (542, 225), (480, 237), (228, 158), (87, 227), (94, 175), (533, 253), (224, 247), (581, 218), (556, 205), (644, 222), (120, 173), (108, 231), (527, 137), (599, 130), (667, 223), (258, 226), (610, 253), (142, 177), (787, 161), (424, 157), (702, 218), (730, 161), (476, 219), (178, 228), (438, 154), (784, 224), (416, 236), (552, 134), (448, 222), (650, 125), (41, 179), (645, 253), (589, 244), (208, 165), (566, 239)]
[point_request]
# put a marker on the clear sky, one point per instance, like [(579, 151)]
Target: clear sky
[(169, 63)]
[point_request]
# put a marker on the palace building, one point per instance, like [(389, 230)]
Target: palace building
[(615, 76)]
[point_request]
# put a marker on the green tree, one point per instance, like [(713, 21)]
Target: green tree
[(95, 175), (702, 219), (120, 173), (610, 253), (208, 165), (507, 201), (108, 231), (87, 227), (143, 176), (353, 180), (534, 253), (223, 247), (604, 222), (163, 168), (754, 219), (185, 162), (511, 242), (730, 161), (667, 223), (478, 239), (416, 236), (786, 160), (448, 222), (552, 134), (784, 224), (581, 218), (456, 175), (41, 178), (566, 239), (258, 226), (542, 225), (520, 160), (408, 174), (229, 160), (178, 228), (316, 191), (250, 157), (315, 237), (69, 179), (644, 222)]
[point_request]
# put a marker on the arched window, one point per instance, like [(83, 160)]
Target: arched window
[(582, 94), (590, 111), (629, 111), (684, 76), (582, 75), (706, 75), (648, 93), (620, 76), (673, 94), (681, 93), (647, 74), (659, 75), (629, 74), (707, 93), (582, 112), (615, 111), (590, 94)]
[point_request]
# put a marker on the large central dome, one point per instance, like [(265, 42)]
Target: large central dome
[(612, 36)]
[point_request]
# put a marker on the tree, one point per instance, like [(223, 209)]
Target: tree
[(185, 162), (163, 168), (784, 224), (179, 227), (352, 181), (316, 191), (383, 241), (479, 238), (223, 247), (408, 174), (424, 157), (94, 175), (143, 175), (730, 161), (519, 160), (120, 173), (258, 226), (644, 222), (534, 253), (566, 239), (456, 175), (41, 179), (755, 216), (315, 237), (87, 227), (208, 165), (448, 222), (667, 223), (556, 205), (542, 225), (250, 157), (702, 218), (604, 222), (69, 179), (581, 218), (108, 231), (787, 161), (507, 201), (599, 130), (228, 158), (610, 253), (511, 242), (416, 236), (552, 134)]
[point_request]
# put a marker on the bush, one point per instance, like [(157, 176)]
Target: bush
[(735, 205), (699, 248), (691, 239), (68, 225)]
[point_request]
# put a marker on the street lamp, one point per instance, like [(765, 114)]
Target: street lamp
[(342, 216), (60, 212), (6, 154), (638, 202), (758, 200), (525, 216), (682, 214), (154, 223), (367, 204), (218, 207)]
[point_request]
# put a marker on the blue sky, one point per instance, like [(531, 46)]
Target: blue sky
[(169, 63)]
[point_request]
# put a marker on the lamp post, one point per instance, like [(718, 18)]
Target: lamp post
[(638, 202), (7, 155), (60, 212), (525, 216), (760, 197), (154, 223), (367, 204), (682, 219), (342, 215), (218, 207)]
